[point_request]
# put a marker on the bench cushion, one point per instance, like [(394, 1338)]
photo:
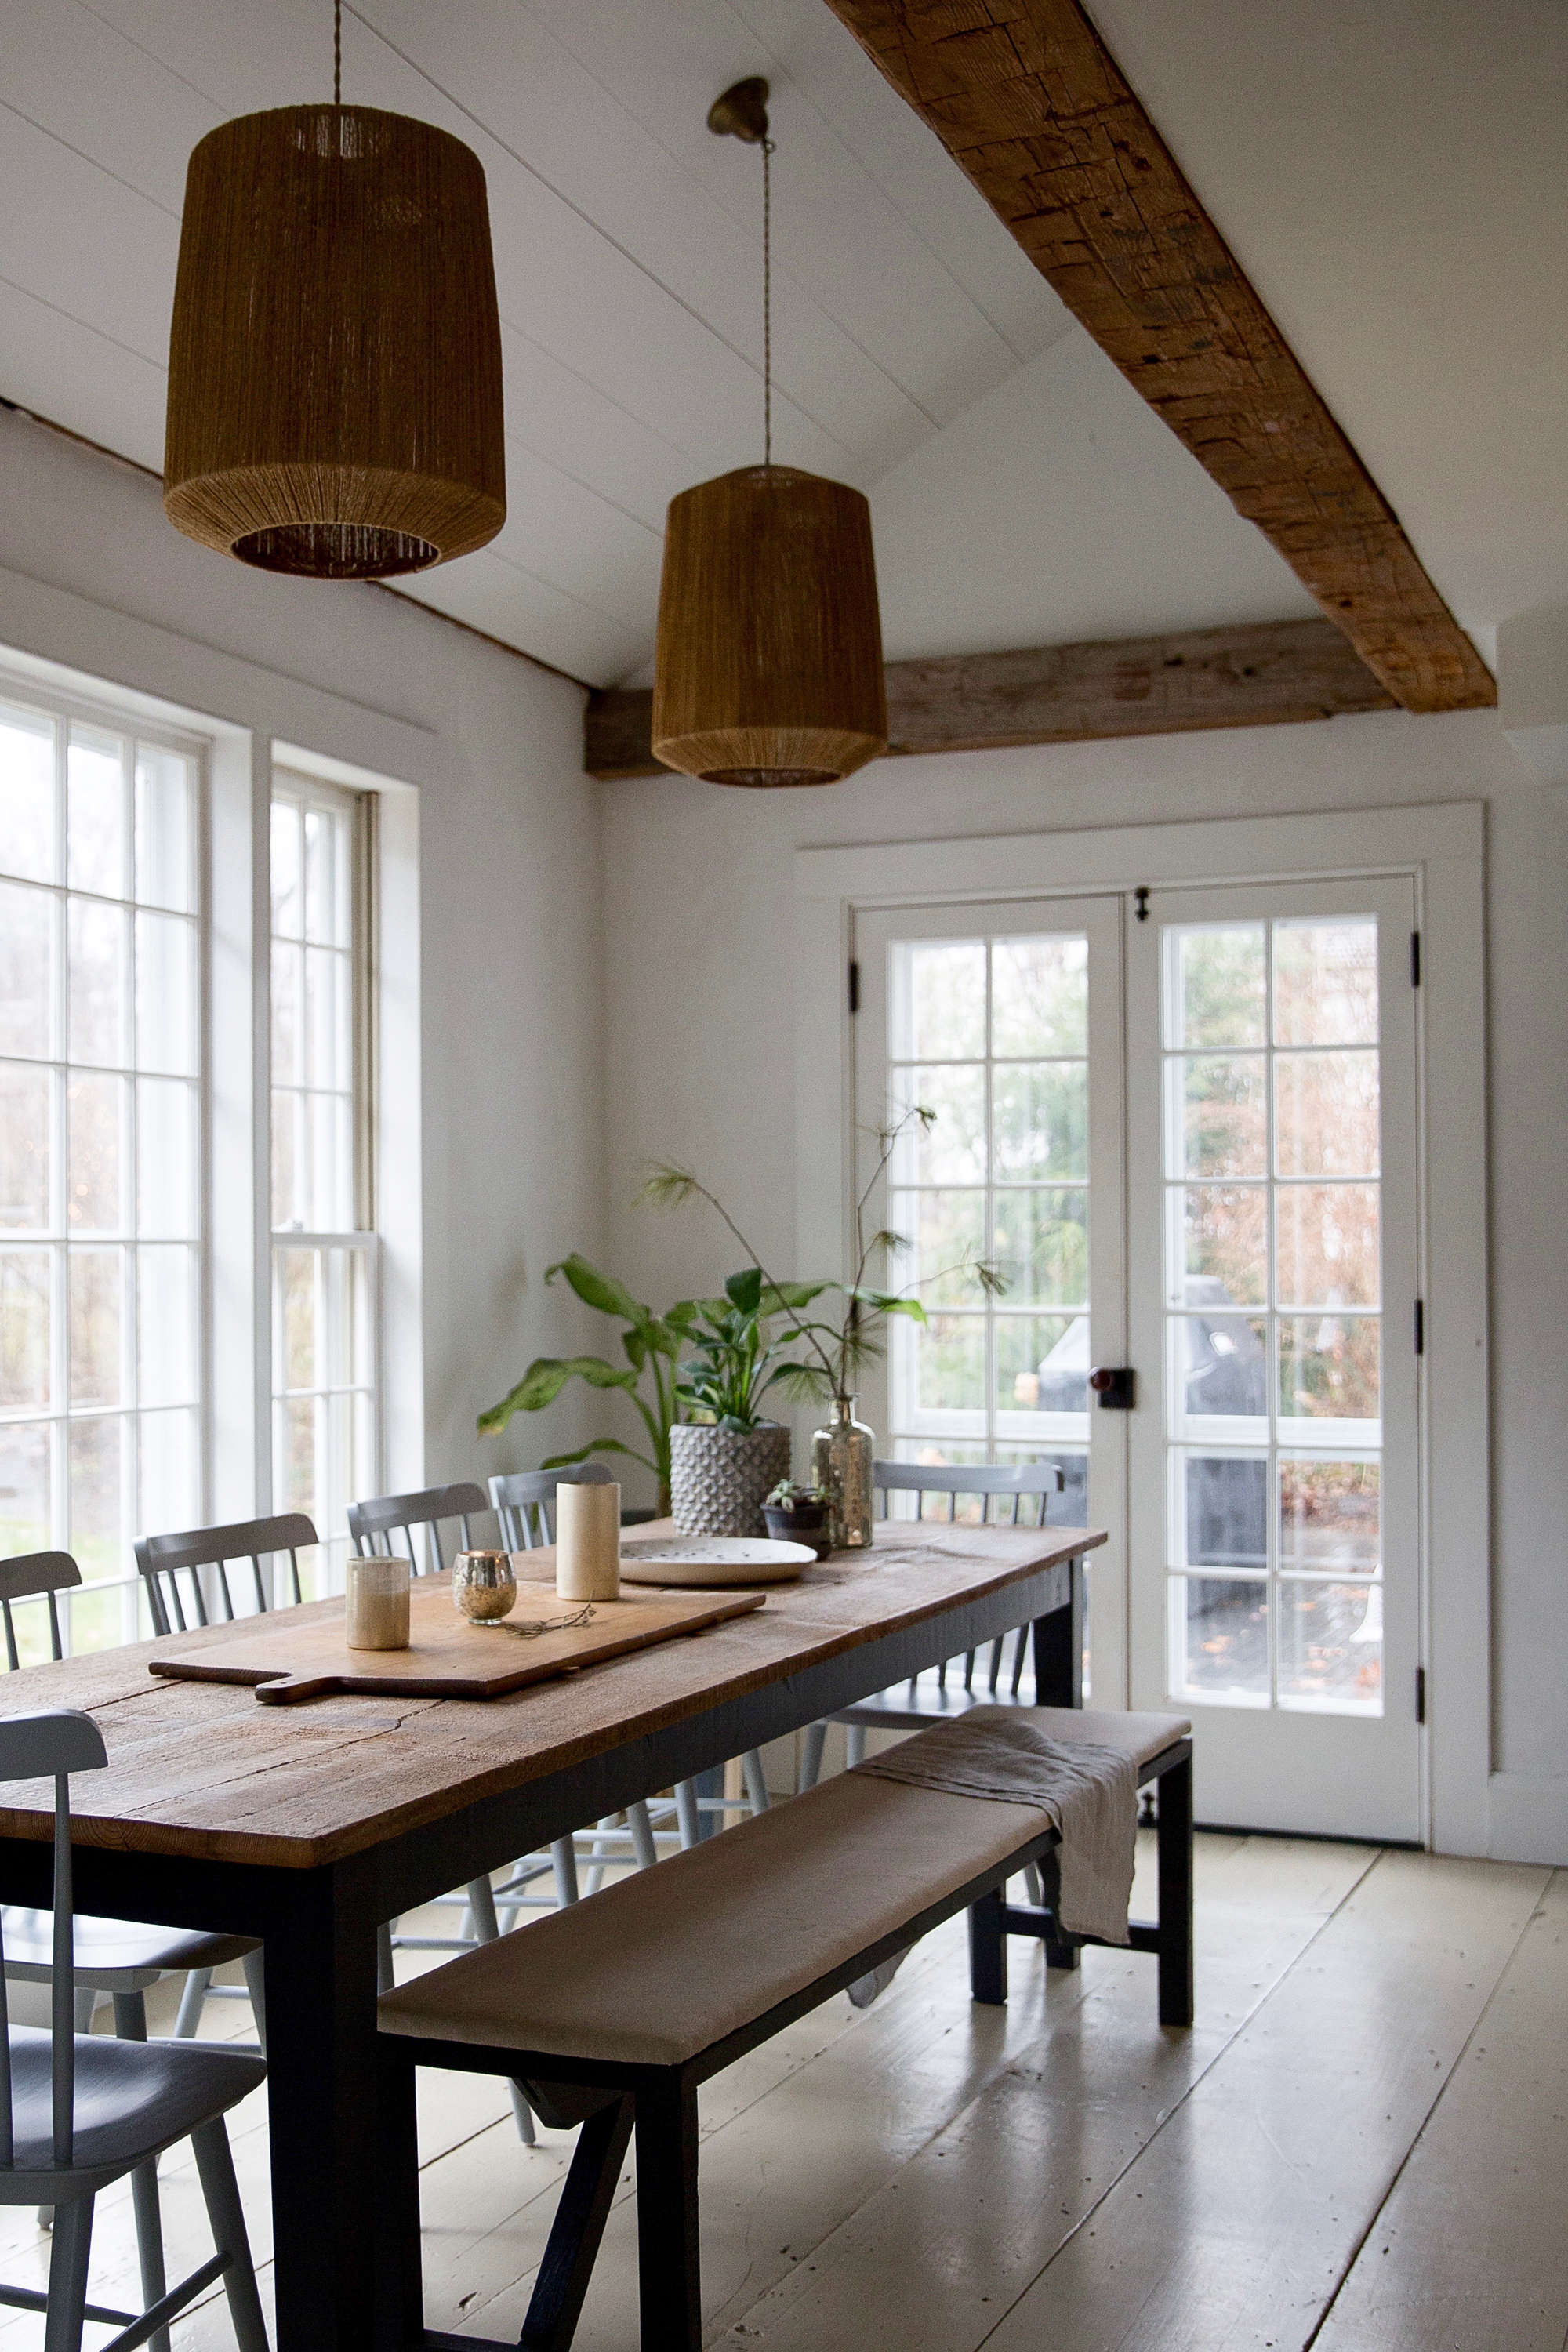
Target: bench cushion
[(662, 1964)]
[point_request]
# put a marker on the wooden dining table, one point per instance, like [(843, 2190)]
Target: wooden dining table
[(310, 1826)]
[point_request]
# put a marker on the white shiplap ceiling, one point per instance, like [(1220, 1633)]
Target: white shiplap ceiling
[(1022, 494)]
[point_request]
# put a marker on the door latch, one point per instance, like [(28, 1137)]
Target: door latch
[(1114, 1387)]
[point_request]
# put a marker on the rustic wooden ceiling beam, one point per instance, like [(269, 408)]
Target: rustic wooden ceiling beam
[(1268, 674), (1031, 104)]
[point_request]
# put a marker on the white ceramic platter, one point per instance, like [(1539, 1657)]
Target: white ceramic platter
[(712, 1561)]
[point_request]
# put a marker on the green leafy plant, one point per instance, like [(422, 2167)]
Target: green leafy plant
[(790, 1495), (652, 1344), (834, 1347), (732, 1364)]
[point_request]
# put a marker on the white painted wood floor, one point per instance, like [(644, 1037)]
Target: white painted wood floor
[(1361, 2146)]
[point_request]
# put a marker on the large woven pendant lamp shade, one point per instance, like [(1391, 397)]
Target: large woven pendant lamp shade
[(334, 364), (769, 661)]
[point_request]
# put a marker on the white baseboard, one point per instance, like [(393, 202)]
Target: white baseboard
[(1529, 1818)]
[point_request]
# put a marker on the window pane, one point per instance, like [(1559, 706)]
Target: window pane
[(326, 878), (952, 1149), (1222, 1366), (97, 984), (168, 1320), (1326, 1245), (93, 1279), (1331, 1646), (294, 1476), (24, 1481), (287, 908), (945, 1010), (24, 1333), (1040, 996), (1221, 1630), (287, 1005), (24, 1147), (1218, 994), (167, 1159), (1220, 1126), (329, 1053), (297, 1319), (1222, 1510), (26, 919), (1325, 1113), (288, 1202), (164, 829), (947, 1234), (95, 807), (1042, 1363), (1329, 1516), (166, 994), (1041, 1246), (95, 1112), (329, 1204), (1329, 1367), (1041, 1118), (171, 1470), (92, 1453), (950, 1364), (1225, 1246), (26, 796), (1325, 983)]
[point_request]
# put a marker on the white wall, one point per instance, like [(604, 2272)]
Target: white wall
[(510, 885), (699, 932)]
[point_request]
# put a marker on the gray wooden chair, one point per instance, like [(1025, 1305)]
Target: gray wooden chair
[(78, 2112), (997, 1675)]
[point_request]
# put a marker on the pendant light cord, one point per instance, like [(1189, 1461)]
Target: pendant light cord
[(767, 303), (337, 52)]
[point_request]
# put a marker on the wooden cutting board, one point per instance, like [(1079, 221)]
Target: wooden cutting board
[(447, 1657)]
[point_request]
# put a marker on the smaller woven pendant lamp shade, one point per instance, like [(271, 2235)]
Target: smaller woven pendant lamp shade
[(769, 665), (334, 362)]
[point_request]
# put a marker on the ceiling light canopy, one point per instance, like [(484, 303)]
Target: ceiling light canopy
[(769, 663), (334, 362)]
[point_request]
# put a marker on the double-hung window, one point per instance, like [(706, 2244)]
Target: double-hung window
[(102, 1236), (324, 1258)]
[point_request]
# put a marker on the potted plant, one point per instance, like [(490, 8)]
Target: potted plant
[(835, 1346), (652, 1344), (798, 1514), (726, 1454)]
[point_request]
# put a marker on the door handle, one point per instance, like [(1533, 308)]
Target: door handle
[(1115, 1386)]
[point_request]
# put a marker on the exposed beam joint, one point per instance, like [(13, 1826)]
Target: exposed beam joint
[(1030, 103), (1269, 674)]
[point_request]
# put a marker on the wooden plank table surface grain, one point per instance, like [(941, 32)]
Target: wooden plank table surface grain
[(200, 1770)]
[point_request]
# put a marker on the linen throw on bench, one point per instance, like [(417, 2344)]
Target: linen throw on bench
[(1088, 1792)]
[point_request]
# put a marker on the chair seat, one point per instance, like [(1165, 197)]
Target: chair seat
[(112, 1955), (133, 2098), (637, 1973)]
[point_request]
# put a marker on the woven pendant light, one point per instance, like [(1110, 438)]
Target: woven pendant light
[(769, 663), (334, 364)]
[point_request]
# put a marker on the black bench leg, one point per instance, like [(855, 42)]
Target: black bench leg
[(988, 1949), (1062, 1951), (399, 2277), (556, 2304), (1176, 1869), (669, 2276)]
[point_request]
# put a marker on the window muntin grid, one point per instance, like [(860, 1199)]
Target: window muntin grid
[(992, 1034), (325, 1259), (101, 1228), (1273, 1313)]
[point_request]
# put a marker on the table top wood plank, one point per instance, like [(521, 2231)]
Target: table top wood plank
[(199, 1770)]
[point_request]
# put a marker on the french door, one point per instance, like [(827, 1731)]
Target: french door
[(1003, 1023), (1182, 1131), (1275, 1538)]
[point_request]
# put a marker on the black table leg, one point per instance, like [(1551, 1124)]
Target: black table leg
[(322, 2104), (1058, 1648)]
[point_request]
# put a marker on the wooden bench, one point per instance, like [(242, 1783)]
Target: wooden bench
[(611, 2014)]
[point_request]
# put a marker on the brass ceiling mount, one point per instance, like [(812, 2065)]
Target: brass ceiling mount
[(742, 111)]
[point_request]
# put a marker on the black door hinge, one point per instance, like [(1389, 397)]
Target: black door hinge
[(1414, 959), (854, 986), (1420, 1694), (1421, 1327)]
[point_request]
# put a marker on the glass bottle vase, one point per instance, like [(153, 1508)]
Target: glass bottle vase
[(841, 1456)]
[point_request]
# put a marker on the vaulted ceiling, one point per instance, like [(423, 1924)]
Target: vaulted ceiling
[(1394, 177)]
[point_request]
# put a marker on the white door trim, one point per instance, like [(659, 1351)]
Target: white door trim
[(1443, 848)]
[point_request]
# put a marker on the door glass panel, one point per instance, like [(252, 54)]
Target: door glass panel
[(1272, 1088)]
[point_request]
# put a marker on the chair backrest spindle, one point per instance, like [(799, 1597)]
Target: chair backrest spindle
[(523, 1501), (372, 1524), (198, 1551), (990, 1481)]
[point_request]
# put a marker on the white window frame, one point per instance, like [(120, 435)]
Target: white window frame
[(1441, 848)]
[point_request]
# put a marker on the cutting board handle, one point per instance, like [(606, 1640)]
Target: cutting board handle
[(286, 1690)]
